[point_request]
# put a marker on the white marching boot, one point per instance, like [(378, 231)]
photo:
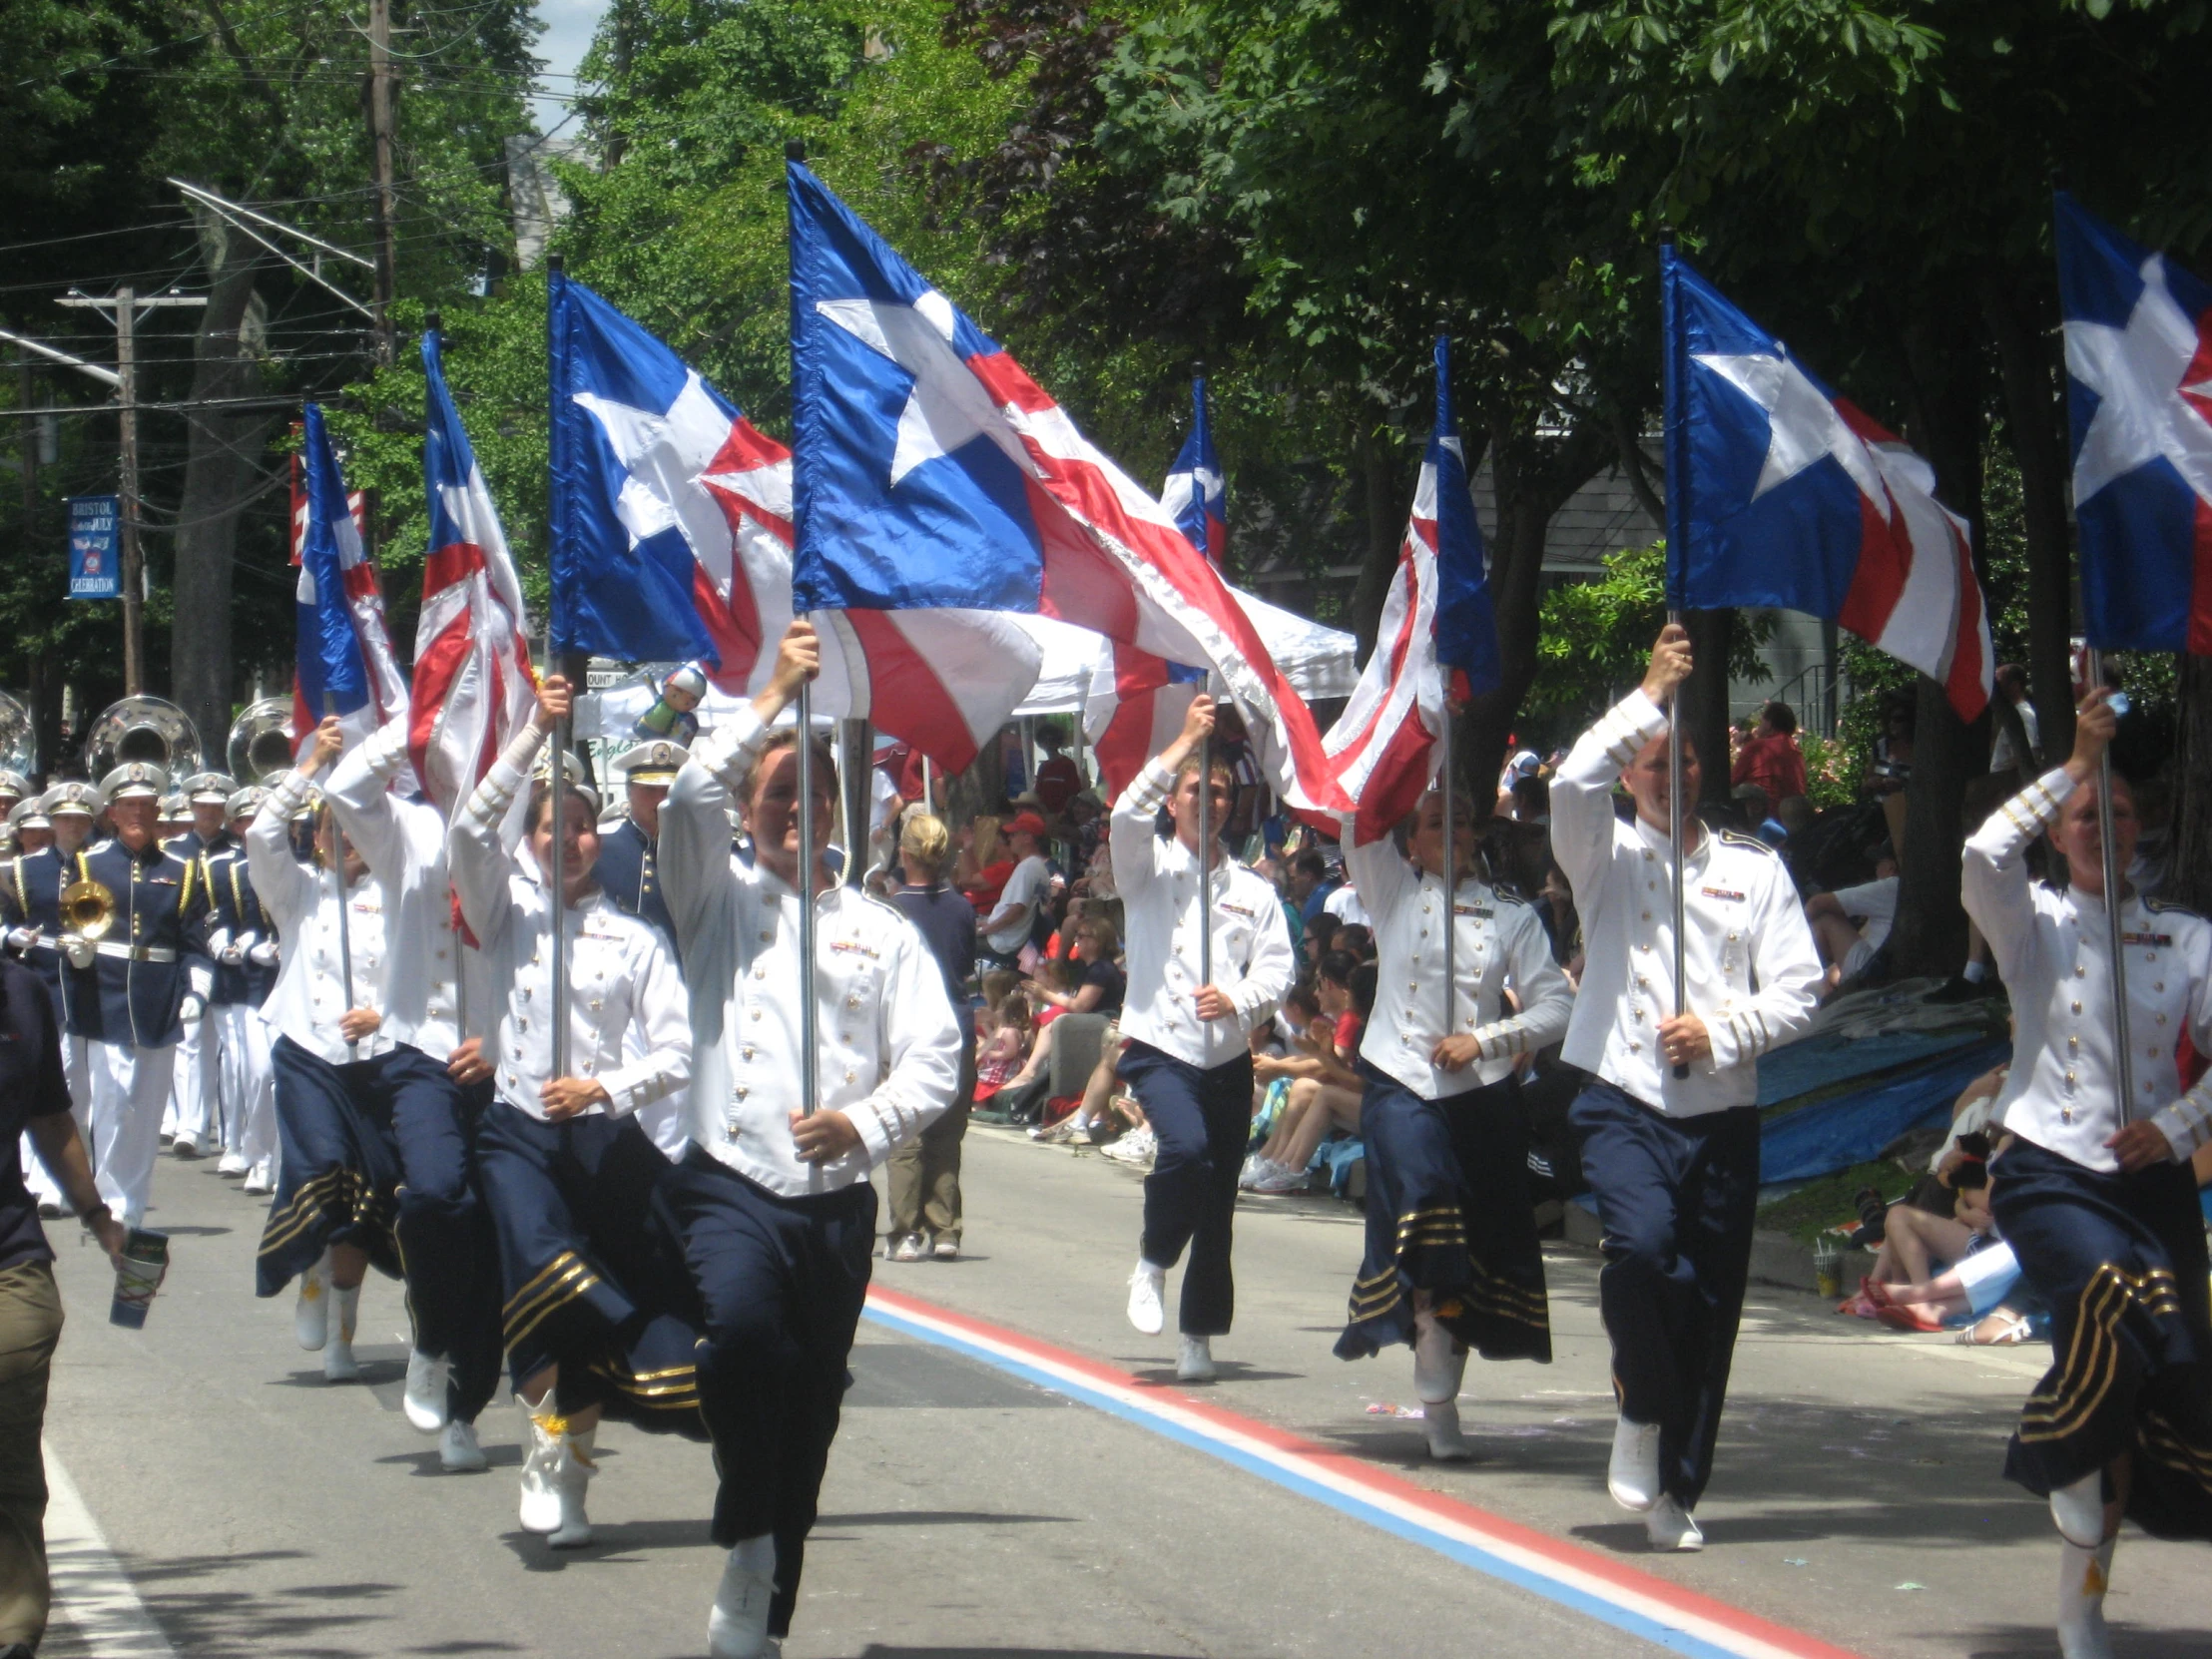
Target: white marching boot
[(1633, 1475), (311, 1314), (425, 1399), (570, 1481), (2078, 1510), (2083, 1576), (541, 1455), (738, 1626), (1440, 1422), (338, 1363)]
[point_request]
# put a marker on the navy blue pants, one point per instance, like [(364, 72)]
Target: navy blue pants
[(1448, 1212), (336, 1182), (426, 1124), (2120, 1258), (781, 1282), (1676, 1198), (591, 1282), (1201, 1121)]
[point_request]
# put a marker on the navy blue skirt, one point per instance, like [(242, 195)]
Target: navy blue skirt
[(336, 1182), (1448, 1212), (593, 1282), (2120, 1259)]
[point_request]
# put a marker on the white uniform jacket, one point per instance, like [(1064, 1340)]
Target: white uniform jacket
[(1499, 943), (1749, 955), (620, 974), (1160, 895), (310, 996), (403, 845), (2053, 951), (889, 1047)]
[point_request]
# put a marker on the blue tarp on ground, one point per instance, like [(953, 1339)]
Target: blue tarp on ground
[(1846, 1129)]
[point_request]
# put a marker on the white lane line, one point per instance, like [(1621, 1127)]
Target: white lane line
[(91, 1589)]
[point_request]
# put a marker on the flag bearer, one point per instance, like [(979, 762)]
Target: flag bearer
[(198, 1082), (776, 1212), (420, 1109), (1187, 1057), (332, 1218), (1453, 1259), (1672, 1159), (245, 948), (591, 1287), (2100, 1208)]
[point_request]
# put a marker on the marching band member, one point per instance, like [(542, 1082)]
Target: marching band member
[(31, 914), (776, 1214), (1672, 1159), (1453, 1259), (2100, 1209), (420, 1107), (1187, 1057), (132, 991), (569, 1176), (328, 1223), (244, 974), (199, 1083), (626, 875)]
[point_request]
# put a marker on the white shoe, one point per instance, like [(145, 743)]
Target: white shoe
[(425, 1397), (2078, 1510), (232, 1163), (1438, 1361), (571, 1479), (1441, 1421), (1669, 1526), (1633, 1476), (541, 1455), (1145, 1310), (458, 1453), (1193, 1360), (186, 1146), (2083, 1575), (338, 1363), (311, 1314), (737, 1628), (260, 1180)]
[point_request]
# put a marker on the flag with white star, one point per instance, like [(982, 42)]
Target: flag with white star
[(930, 470), (2139, 391), (1781, 493)]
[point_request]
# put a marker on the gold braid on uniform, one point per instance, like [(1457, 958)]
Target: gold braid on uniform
[(672, 1390), (1444, 1227), (2079, 1385), (564, 1279)]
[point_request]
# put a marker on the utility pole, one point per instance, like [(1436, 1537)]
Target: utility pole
[(381, 133), (122, 311)]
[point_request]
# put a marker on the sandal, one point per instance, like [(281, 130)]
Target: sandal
[(2012, 1331), (1901, 1318)]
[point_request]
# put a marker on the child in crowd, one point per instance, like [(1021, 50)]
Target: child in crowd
[(1003, 1032), (1325, 1089)]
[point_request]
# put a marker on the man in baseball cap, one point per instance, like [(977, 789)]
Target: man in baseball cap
[(1006, 930)]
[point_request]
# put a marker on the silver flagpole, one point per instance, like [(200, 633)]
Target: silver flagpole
[(928, 786), (556, 912), (2115, 930), (1206, 858), (809, 1014), (1451, 880), (1674, 839), (337, 880)]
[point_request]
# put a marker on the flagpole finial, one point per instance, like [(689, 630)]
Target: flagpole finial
[(1198, 369), (1666, 234), (557, 263), (795, 150)]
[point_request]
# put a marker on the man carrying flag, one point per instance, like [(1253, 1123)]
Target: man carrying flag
[(473, 691), (1453, 1261)]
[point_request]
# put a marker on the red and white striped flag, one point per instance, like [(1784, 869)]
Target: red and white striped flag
[(472, 682)]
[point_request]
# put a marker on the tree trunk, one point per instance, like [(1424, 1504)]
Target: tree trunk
[(1930, 935), (980, 789), (1534, 477), (1387, 502), (2189, 868), (221, 447), (2034, 426), (1704, 700)]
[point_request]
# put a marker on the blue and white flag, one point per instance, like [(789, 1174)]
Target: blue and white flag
[(345, 658), (1196, 491)]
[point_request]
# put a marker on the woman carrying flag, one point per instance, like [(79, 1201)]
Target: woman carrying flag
[(2099, 1203), (590, 1321)]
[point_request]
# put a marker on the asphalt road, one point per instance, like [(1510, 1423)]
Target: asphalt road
[(215, 1496)]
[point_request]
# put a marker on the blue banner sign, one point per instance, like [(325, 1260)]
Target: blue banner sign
[(95, 551)]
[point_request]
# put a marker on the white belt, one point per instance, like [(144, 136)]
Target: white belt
[(137, 952)]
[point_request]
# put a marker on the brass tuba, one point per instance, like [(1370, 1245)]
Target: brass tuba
[(18, 738), (87, 909), (143, 728), (261, 744)]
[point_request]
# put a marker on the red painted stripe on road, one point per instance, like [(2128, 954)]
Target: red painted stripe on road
[(1341, 1469)]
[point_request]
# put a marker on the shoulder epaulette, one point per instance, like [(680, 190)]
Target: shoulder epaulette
[(1738, 837), (2171, 907)]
